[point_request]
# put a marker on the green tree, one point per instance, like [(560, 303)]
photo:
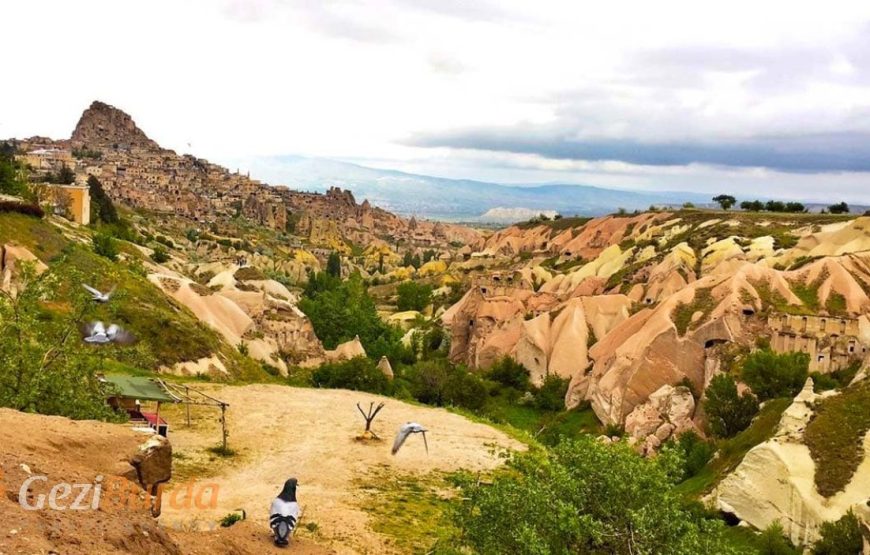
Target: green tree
[(105, 245), (551, 395), (839, 208), (795, 207), (13, 176), (585, 497), (509, 373), (359, 373), (413, 295), (333, 265), (101, 205), (437, 382), (44, 365), (774, 206), (725, 201), (772, 374), (64, 176), (842, 537), (752, 205), (340, 310), (728, 412)]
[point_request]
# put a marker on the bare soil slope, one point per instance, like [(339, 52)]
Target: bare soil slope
[(280, 432)]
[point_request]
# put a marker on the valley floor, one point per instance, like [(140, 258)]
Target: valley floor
[(278, 432)]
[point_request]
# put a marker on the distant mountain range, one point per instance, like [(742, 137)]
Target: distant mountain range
[(455, 199)]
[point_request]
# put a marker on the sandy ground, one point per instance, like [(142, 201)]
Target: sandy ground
[(310, 434), (78, 452)]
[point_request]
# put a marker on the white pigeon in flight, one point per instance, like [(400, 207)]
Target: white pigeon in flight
[(407, 429), (99, 334), (99, 296)]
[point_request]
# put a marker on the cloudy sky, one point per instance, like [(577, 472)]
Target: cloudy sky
[(760, 97)]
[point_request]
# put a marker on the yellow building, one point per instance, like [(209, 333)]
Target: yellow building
[(79, 203)]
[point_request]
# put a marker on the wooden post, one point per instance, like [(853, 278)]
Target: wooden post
[(187, 403), (224, 425)]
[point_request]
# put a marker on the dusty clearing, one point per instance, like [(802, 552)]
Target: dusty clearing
[(280, 432)]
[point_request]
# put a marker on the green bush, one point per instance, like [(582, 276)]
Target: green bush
[(160, 254), (584, 497), (437, 382), (842, 537), (105, 246), (728, 412), (696, 452), (774, 542), (772, 375), (413, 296), (509, 373), (551, 395), (359, 373)]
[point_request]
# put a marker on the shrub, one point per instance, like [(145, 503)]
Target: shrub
[(774, 542), (105, 245), (22, 208), (359, 373), (413, 296), (728, 412), (160, 254), (772, 374), (437, 382), (842, 537), (696, 453), (551, 395), (230, 519), (584, 497), (509, 373)]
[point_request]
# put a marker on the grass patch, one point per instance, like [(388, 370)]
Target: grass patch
[(249, 274), (221, 451), (836, 304), (682, 315), (37, 235), (410, 510), (835, 436), (731, 451), (545, 426), (557, 225)]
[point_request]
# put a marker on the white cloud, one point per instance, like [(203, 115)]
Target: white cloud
[(356, 78)]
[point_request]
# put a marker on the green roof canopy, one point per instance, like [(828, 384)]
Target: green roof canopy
[(138, 387)]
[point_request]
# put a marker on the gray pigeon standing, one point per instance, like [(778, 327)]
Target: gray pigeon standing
[(284, 513), (404, 431)]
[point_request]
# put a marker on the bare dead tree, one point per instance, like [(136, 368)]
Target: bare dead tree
[(373, 411)]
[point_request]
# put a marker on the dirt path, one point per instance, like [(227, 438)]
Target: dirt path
[(310, 434)]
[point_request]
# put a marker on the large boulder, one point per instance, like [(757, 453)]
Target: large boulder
[(11, 259), (153, 461), (668, 412)]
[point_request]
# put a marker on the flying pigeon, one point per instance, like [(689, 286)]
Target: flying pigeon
[(405, 430), (98, 334), (99, 296), (284, 513)]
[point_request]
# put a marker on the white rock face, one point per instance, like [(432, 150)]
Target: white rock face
[(775, 481)]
